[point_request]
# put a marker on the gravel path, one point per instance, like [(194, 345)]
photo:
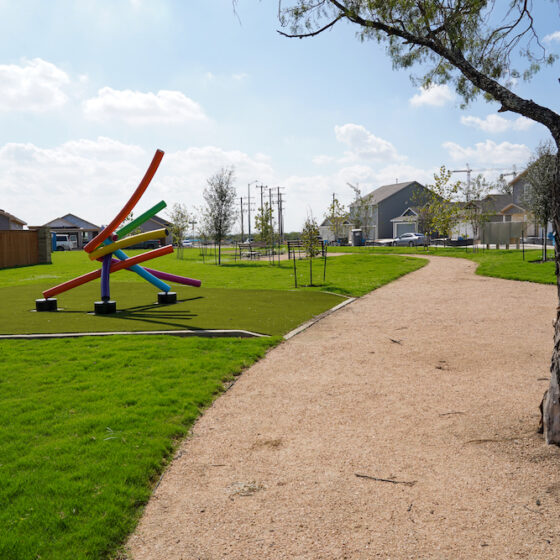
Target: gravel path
[(431, 383)]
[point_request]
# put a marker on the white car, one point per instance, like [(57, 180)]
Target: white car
[(409, 240)]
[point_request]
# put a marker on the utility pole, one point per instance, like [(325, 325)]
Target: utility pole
[(262, 188), (280, 204), (242, 230)]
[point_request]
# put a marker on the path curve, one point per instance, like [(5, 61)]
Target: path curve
[(433, 381)]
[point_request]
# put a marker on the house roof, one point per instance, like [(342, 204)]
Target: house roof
[(71, 221), (327, 222), (382, 193), (161, 220), (12, 218), (409, 215)]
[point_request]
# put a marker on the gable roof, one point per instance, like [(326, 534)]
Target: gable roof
[(12, 218), (386, 191), (71, 221), (161, 220)]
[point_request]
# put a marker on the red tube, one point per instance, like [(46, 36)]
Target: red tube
[(128, 207), (114, 267)]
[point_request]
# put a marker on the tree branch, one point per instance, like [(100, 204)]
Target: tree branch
[(313, 33)]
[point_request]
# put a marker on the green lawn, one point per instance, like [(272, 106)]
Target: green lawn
[(497, 263), (88, 425)]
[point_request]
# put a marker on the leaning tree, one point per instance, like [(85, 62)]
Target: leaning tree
[(472, 44)]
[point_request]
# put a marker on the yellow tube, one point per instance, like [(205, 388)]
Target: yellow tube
[(127, 241)]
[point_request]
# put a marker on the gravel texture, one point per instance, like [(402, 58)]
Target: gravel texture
[(401, 426)]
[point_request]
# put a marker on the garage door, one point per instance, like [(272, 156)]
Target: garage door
[(405, 228)]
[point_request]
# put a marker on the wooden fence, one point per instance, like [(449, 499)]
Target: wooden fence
[(18, 248)]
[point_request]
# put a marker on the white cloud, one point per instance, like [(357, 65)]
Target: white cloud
[(94, 178), (364, 145), (495, 124), (434, 95), (138, 108), (36, 85), (322, 159), (552, 37), (240, 77), (489, 153)]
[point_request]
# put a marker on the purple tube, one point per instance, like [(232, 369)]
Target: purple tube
[(170, 277), (173, 278), (105, 271)]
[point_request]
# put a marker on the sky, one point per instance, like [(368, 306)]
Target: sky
[(90, 89)]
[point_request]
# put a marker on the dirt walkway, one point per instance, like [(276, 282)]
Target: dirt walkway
[(432, 383)]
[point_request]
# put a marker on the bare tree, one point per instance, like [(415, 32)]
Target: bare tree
[(471, 44), (219, 213)]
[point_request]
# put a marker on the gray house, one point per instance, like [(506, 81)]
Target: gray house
[(374, 213), (157, 222), (79, 231), (9, 221)]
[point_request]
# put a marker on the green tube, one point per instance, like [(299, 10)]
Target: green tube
[(141, 219)]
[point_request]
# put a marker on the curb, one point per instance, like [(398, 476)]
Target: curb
[(182, 333), (316, 319)]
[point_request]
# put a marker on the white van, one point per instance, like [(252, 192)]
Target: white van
[(64, 242)]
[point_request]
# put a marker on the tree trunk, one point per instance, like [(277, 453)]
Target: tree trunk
[(220, 252), (551, 399), (311, 271)]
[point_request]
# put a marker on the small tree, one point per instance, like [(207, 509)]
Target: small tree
[(337, 215), (442, 210), (540, 177), (264, 224), (360, 213), (311, 242), (219, 214), (179, 218), (473, 212)]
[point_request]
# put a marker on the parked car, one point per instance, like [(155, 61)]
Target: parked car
[(64, 243), (187, 243), (409, 239)]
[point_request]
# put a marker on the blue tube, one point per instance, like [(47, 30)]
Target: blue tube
[(144, 273), (121, 255)]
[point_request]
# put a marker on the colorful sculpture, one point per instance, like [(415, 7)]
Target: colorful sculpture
[(108, 243)]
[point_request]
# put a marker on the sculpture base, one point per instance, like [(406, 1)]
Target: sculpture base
[(167, 297), (105, 307), (46, 304)]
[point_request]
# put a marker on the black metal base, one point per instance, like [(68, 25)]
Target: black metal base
[(167, 297), (105, 307), (48, 304)]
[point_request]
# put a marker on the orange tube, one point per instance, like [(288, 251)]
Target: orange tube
[(75, 282), (128, 207)]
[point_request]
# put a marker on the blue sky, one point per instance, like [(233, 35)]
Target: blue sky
[(89, 90)]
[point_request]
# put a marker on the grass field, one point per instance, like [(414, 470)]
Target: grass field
[(496, 263), (251, 296), (89, 424)]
